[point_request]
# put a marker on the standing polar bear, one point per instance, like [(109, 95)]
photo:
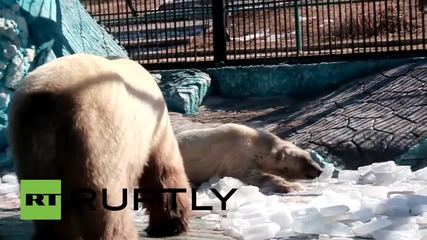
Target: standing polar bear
[(98, 123), (255, 157)]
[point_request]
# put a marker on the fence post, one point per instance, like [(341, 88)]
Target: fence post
[(297, 14), (219, 31)]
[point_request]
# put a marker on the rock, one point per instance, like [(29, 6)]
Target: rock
[(6, 159), (184, 91), (157, 77)]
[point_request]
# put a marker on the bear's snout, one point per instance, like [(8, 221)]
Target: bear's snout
[(313, 173)]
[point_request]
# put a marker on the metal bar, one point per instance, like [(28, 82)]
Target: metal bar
[(219, 31), (298, 25)]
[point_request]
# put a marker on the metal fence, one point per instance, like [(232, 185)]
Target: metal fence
[(161, 33)]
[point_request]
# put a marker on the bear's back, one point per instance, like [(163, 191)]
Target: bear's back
[(111, 104), (79, 72)]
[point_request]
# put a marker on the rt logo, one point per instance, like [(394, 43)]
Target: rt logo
[(40, 199)]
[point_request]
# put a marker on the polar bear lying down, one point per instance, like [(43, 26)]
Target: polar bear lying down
[(255, 157)]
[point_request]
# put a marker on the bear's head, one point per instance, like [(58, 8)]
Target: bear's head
[(292, 162)]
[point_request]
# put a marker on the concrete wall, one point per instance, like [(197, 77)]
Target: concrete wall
[(284, 79)]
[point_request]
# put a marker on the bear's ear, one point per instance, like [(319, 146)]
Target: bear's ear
[(284, 153), (280, 155), (289, 152)]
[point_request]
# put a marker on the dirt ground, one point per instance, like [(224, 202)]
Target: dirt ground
[(335, 24), (216, 109)]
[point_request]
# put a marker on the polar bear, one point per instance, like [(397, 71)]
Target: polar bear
[(96, 123), (255, 157)]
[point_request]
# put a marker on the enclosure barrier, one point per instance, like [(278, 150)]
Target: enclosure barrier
[(161, 33)]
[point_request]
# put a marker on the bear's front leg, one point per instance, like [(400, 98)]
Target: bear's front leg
[(165, 170), (278, 184)]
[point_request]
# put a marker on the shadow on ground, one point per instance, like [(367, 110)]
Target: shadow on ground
[(12, 228)]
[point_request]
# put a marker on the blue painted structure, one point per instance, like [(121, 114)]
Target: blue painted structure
[(33, 32)]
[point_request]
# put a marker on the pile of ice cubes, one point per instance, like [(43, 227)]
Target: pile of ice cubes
[(9, 191), (385, 202), (9, 185)]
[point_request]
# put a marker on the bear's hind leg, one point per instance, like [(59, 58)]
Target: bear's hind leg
[(165, 170)]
